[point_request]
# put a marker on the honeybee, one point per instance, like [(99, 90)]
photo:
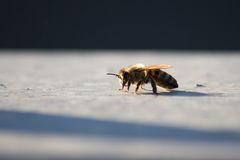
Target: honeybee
[(139, 75)]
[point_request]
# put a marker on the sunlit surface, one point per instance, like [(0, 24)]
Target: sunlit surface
[(65, 106)]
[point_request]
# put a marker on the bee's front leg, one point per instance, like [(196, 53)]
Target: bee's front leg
[(123, 85), (129, 84)]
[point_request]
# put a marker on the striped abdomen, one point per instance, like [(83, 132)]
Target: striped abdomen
[(163, 79)]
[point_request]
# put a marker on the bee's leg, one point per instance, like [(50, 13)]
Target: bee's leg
[(154, 86), (145, 82), (123, 85), (129, 84), (138, 84)]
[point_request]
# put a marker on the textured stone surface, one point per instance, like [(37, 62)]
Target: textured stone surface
[(64, 105)]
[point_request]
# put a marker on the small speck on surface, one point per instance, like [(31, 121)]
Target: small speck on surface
[(3, 85), (200, 85)]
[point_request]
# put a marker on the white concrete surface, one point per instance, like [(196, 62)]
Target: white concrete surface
[(63, 105)]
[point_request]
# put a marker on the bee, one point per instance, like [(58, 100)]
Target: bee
[(139, 75)]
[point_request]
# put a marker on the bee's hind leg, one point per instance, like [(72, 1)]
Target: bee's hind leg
[(154, 86)]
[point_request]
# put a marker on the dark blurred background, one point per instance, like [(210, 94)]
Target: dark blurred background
[(120, 24)]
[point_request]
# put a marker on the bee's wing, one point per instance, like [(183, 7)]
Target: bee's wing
[(160, 66)]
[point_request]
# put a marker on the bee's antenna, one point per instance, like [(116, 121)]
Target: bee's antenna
[(113, 74)]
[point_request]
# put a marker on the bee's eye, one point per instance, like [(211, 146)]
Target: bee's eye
[(126, 75)]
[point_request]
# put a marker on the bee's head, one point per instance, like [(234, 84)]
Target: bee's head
[(124, 75)]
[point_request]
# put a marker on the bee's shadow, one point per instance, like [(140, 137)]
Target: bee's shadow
[(180, 93)]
